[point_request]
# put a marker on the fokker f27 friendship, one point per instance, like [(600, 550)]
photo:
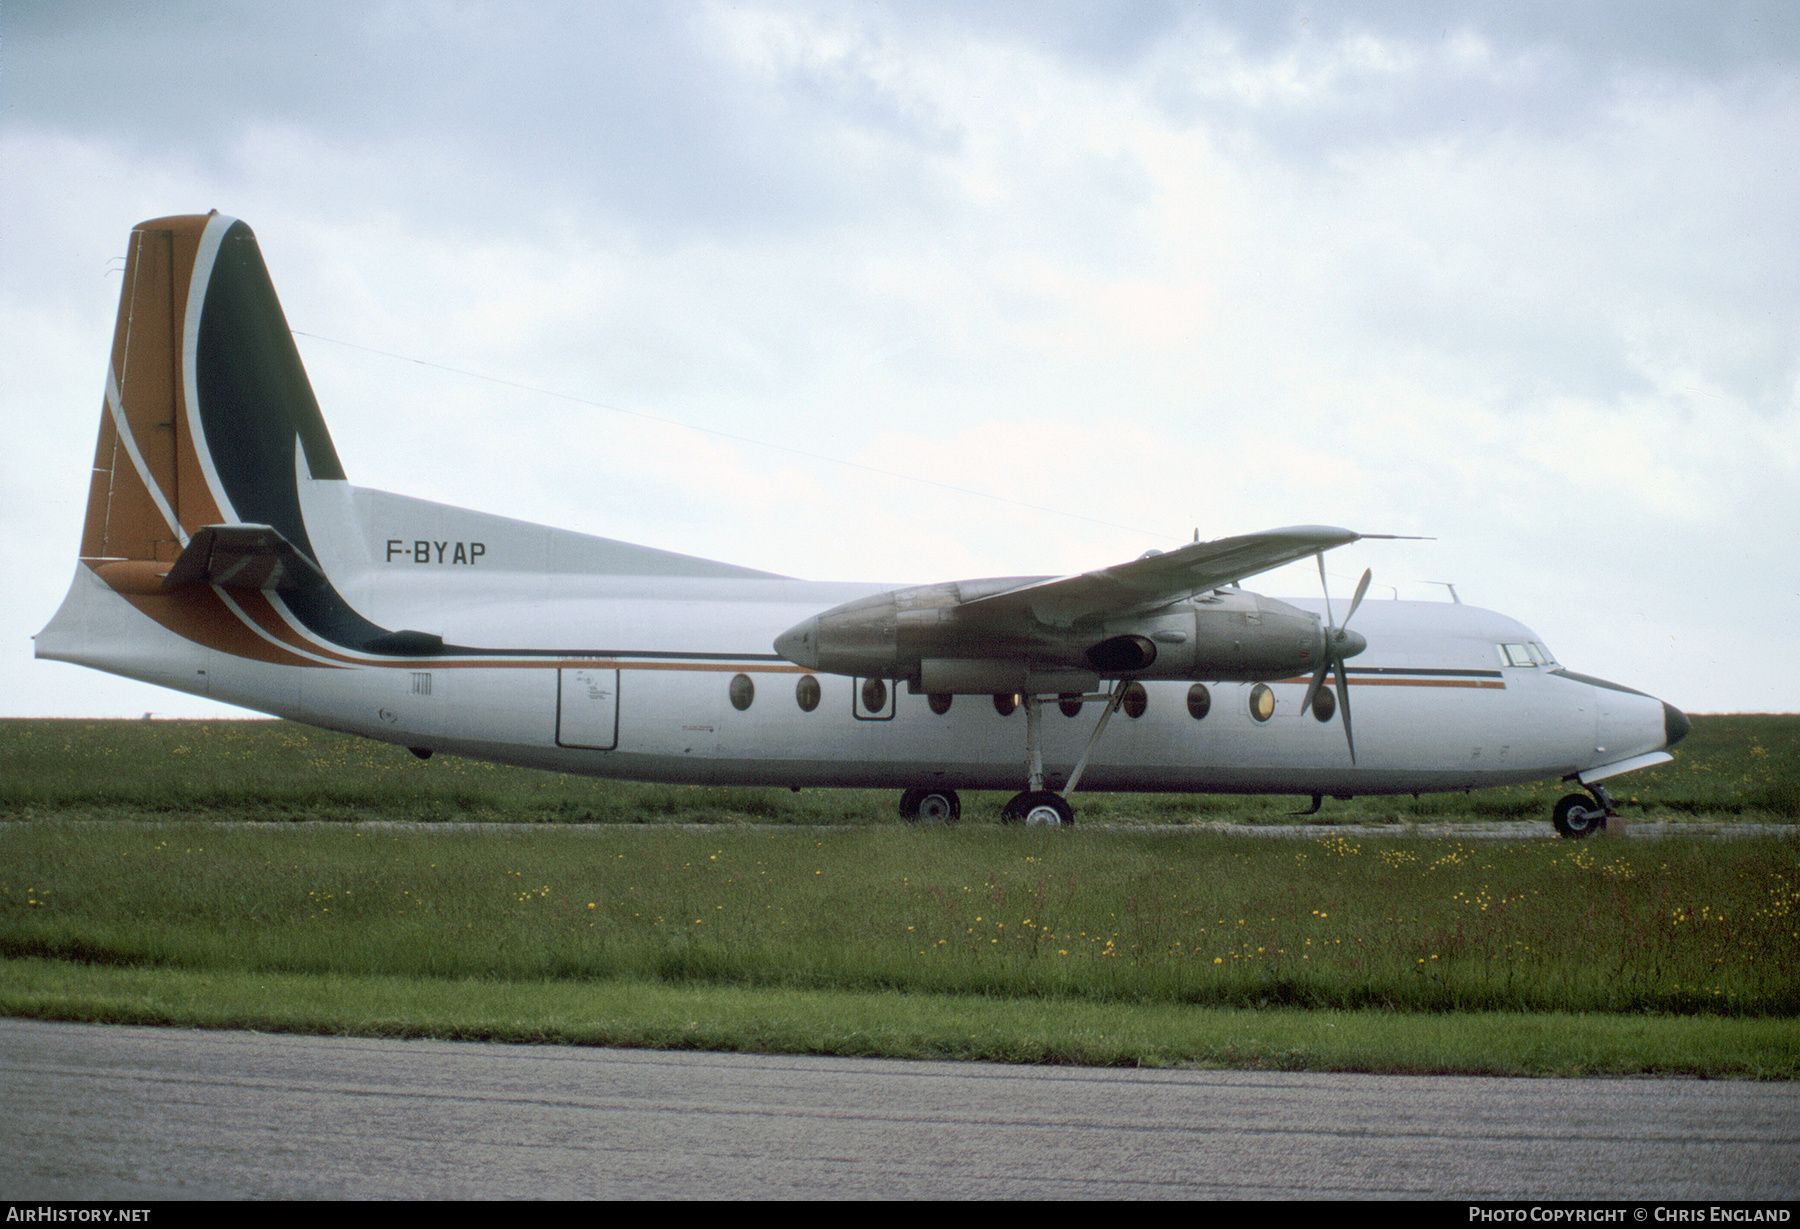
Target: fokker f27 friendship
[(225, 554)]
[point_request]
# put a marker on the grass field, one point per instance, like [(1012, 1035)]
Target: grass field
[(1729, 767), (1153, 945)]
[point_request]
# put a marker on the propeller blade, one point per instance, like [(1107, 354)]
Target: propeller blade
[(1362, 587), (1318, 678), (1343, 695), (1333, 658)]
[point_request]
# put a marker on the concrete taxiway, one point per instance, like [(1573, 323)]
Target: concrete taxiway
[(138, 1113)]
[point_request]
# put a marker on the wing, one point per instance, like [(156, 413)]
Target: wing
[(1156, 580), (1106, 623)]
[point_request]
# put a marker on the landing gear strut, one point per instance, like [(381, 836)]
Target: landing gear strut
[(1578, 815), (1037, 805)]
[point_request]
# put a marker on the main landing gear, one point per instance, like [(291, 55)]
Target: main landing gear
[(1034, 805), (939, 805), (1578, 815), (1038, 808)]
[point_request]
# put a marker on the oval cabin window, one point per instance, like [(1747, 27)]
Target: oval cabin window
[(806, 693), (874, 695), (743, 692)]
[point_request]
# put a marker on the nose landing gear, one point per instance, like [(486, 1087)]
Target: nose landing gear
[(1578, 815)]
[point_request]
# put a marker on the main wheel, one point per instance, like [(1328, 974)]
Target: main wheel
[(939, 805), (1041, 807), (1577, 815)]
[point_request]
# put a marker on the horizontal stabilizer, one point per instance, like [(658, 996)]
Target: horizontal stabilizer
[(243, 557)]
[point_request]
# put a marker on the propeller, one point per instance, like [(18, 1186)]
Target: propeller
[(1340, 643)]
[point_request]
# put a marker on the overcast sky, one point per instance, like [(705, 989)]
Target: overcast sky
[(928, 291)]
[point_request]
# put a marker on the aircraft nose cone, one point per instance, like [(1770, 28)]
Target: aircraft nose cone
[(1675, 725), (800, 644)]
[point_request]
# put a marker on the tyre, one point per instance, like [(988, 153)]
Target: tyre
[(935, 805), (1577, 816), (1038, 808)]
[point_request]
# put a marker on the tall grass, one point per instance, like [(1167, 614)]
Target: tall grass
[(1414, 924), (278, 770)]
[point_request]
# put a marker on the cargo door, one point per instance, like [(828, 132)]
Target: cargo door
[(587, 708)]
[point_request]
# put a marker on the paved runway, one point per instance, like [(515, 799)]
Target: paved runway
[(134, 1113)]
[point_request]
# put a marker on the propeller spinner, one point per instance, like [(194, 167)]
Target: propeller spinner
[(1340, 643)]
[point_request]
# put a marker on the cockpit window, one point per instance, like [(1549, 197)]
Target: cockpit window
[(1532, 654)]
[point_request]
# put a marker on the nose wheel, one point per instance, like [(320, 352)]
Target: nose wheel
[(1578, 815)]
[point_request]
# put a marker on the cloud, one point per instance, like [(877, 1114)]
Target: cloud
[(1509, 275)]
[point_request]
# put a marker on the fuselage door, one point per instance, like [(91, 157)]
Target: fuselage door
[(587, 708)]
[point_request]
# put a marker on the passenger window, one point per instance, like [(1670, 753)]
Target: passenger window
[(806, 693), (743, 691), (874, 695)]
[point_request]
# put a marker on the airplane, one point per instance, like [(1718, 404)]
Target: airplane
[(225, 554)]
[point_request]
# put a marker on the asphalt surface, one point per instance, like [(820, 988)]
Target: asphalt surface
[(97, 1112)]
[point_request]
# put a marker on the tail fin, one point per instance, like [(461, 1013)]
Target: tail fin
[(211, 450), (207, 421), (207, 402)]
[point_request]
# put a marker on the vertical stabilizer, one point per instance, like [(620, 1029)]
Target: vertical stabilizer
[(207, 402), (212, 453), (209, 424), (135, 496)]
